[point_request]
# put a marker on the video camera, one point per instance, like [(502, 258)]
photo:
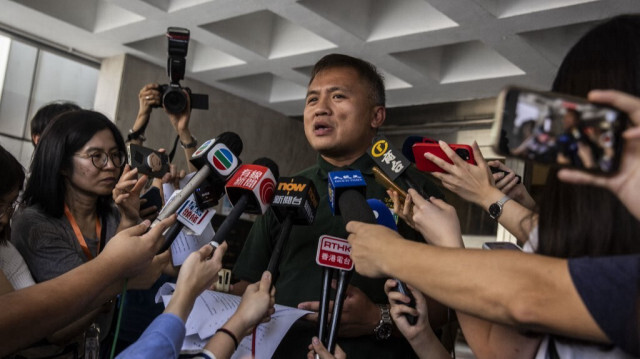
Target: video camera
[(174, 99)]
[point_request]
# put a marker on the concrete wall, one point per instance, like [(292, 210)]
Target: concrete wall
[(264, 132)]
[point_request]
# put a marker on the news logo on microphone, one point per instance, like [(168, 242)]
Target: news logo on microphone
[(257, 179), (296, 196), (389, 159), (339, 181), (334, 252)]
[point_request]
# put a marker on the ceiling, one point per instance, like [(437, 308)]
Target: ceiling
[(430, 51)]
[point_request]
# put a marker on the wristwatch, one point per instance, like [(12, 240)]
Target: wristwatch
[(383, 329), (495, 209)]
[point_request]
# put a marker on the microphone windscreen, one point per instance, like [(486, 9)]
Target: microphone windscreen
[(407, 149), (269, 163), (382, 213), (354, 207), (232, 141)]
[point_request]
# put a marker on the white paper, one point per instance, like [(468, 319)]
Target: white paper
[(212, 309)]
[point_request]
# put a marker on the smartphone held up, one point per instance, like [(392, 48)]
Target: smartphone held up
[(148, 161), (558, 130)]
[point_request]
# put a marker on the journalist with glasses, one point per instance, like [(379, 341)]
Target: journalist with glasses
[(78, 196)]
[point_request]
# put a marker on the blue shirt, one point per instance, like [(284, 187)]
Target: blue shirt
[(610, 289), (162, 339)]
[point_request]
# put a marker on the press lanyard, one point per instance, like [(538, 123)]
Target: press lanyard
[(79, 235)]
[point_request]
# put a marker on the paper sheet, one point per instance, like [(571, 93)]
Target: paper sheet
[(212, 309)]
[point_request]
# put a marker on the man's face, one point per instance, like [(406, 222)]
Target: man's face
[(339, 114)]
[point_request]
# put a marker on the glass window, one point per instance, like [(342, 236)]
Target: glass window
[(31, 77)]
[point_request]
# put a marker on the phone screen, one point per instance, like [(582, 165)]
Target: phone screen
[(557, 129), (501, 245)]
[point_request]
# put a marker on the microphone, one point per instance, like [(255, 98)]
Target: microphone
[(250, 190), (392, 163), (384, 217), (216, 162), (295, 202), (346, 198), (407, 146)]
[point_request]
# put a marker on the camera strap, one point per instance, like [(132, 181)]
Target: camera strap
[(173, 149)]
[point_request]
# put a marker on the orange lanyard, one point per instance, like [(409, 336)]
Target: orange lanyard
[(79, 235)]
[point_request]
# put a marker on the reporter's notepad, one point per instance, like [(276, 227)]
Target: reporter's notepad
[(212, 309)]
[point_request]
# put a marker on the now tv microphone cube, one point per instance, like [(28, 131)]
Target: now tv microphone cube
[(296, 196), (218, 157), (339, 181), (258, 182)]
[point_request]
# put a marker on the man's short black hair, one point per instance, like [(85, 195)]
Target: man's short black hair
[(366, 70), (47, 113)]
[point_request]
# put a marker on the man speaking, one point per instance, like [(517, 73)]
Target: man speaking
[(344, 107)]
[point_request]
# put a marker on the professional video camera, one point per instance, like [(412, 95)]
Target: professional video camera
[(174, 98)]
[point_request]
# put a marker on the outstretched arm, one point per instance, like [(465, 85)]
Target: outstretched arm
[(475, 184), (523, 290), (58, 302)]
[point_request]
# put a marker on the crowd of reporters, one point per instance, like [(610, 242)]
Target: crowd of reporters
[(79, 233)]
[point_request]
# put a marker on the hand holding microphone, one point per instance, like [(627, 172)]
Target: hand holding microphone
[(216, 161)]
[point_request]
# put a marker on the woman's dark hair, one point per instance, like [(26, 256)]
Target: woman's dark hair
[(577, 220), (67, 134), (13, 176), (367, 71), (11, 180), (47, 113), (607, 57)]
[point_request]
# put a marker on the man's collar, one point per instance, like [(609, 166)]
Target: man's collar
[(363, 164)]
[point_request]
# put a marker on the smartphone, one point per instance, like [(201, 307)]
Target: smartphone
[(501, 245), (147, 160), (558, 129), (153, 198), (419, 149)]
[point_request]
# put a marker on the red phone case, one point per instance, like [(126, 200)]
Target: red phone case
[(423, 164)]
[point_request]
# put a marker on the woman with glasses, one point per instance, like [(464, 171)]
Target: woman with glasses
[(78, 196)]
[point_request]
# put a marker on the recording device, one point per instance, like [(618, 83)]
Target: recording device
[(387, 183), (250, 190), (419, 149), (174, 99), (346, 191), (392, 162), (501, 245), (153, 198), (559, 130), (216, 163), (384, 217), (407, 146), (147, 160), (295, 202)]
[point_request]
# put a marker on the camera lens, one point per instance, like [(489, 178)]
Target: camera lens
[(174, 100), (463, 153)]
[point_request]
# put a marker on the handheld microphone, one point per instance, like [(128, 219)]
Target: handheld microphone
[(392, 163), (384, 217), (407, 146), (250, 190), (216, 162), (346, 198), (295, 202)]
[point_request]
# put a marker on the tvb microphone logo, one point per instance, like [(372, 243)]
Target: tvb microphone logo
[(223, 159)]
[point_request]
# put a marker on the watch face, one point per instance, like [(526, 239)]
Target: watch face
[(494, 210), (383, 331)]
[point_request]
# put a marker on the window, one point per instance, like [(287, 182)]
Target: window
[(30, 77)]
